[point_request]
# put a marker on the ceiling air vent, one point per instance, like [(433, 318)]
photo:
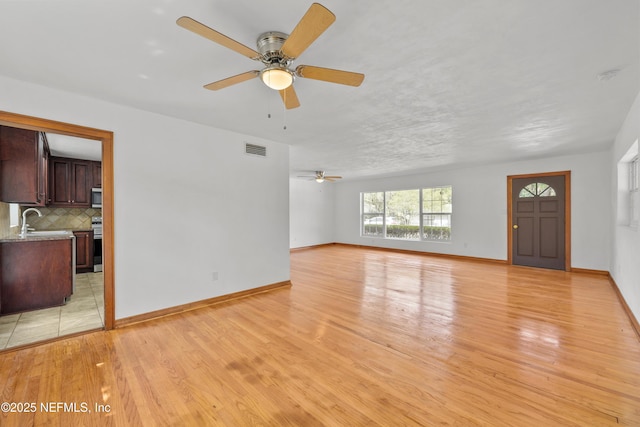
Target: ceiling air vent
[(255, 150)]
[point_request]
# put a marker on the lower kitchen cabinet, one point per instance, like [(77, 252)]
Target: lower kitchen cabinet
[(35, 274), (84, 251)]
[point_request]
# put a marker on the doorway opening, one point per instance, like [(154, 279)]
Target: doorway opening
[(106, 140), (539, 220)]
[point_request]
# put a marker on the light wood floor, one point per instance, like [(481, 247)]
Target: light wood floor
[(363, 337)]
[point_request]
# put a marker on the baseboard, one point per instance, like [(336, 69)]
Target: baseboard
[(625, 306), (434, 254), (589, 271), (304, 248), (127, 321)]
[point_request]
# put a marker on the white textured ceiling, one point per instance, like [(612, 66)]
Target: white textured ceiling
[(447, 82), (76, 148)]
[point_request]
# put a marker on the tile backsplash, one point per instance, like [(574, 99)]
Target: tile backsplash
[(63, 218)]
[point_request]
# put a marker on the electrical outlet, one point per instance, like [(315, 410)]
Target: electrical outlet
[(214, 276)]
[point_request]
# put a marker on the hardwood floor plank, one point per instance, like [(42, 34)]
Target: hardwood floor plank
[(363, 337)]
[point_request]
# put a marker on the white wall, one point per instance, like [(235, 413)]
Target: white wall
[(311, 213), (188, 201), (625, 253), (479, 224)]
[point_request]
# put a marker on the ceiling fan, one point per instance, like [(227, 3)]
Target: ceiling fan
[(320, 177), (277, 51)]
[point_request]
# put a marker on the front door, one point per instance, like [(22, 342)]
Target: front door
[(538, 221)]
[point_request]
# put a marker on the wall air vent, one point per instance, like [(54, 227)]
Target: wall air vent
[(255, 150)]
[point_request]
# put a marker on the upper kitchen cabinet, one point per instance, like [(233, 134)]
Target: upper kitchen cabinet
[(96, 169), (24, 158), (70, 182)]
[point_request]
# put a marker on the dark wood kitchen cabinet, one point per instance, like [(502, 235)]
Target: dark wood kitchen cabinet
[(84, 251), (70, 182), (35, 274), (96, 171), (24, 161)]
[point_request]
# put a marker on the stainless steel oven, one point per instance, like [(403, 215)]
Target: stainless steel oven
[(96, 225)]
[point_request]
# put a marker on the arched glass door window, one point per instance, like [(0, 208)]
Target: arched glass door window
[(537, 189)]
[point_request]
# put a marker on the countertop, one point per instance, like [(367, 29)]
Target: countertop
[(61, 235), (64, 229)]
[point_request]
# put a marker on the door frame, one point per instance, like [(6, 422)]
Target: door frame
[(567, 213), (106, 137)]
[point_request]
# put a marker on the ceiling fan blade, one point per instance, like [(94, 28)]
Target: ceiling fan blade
[(229, 81), (211, 34), (330, 75), (317, 19), (289, 98), (332, 177)]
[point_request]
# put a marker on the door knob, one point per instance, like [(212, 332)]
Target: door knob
[(515, 226)]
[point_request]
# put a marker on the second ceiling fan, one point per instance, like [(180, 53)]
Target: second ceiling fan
[(320, 177), (277, 51)]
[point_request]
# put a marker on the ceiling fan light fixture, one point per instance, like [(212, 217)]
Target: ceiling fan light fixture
[(277, 51), (319, 180), (277, 77)]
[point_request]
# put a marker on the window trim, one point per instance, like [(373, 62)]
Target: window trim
[(634, 191), (383, 214), (634, 178), (421, 215)]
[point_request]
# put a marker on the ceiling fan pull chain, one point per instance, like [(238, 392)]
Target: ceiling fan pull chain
[(268, 93), (284, 111)]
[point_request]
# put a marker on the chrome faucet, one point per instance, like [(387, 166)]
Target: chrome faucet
[(24, 230)]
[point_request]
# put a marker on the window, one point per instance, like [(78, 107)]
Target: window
[(408, 214), (634, 193), (403, 214), (539, 189), (436, 213), (14, 214), (628, 195), (373, 214), (633, 174)]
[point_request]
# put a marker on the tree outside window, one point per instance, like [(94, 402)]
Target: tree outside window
[(403, 214)]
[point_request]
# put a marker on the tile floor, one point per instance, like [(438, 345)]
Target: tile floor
[(83, 311)]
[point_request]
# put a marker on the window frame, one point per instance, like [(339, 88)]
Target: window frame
[(634, 178), (634, 191), (387, 215), (421, 213), (449, 215), (363, 213)]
